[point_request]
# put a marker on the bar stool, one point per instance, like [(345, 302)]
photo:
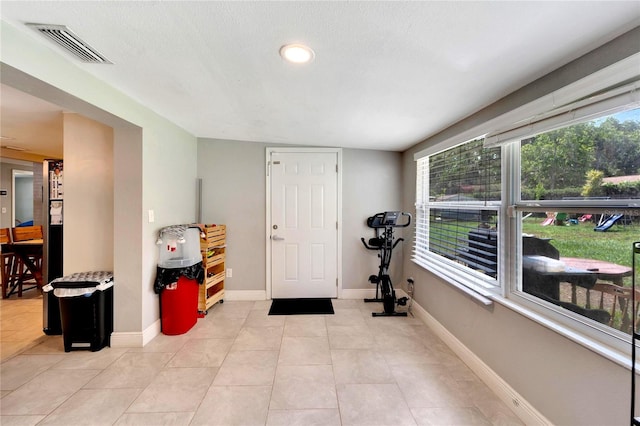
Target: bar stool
[(25, 233), (7, 263)]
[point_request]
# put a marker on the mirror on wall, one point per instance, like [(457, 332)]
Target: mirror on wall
[(22, 202)]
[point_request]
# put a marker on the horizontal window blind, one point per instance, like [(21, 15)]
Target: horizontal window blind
[(421, 243), (457, 200), (598, 105)]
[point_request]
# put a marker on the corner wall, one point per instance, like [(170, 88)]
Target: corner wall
[(88, 195), (233, 177), (371, 184)]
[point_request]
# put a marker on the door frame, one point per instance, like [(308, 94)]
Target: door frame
[(271, 150)]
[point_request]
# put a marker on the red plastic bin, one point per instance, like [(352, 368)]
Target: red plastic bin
[(179, 306)]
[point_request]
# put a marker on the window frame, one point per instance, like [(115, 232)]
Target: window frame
[(601, 338), (478, 285)]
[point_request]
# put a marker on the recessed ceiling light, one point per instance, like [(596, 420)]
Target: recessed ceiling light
[(297, 53)]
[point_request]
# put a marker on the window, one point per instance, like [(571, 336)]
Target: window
[(577, 243), (553, 204), (458, 204)]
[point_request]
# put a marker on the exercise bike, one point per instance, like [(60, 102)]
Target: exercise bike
[(384, 243)]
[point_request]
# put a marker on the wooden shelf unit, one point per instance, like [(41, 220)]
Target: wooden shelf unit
[(213, 247)]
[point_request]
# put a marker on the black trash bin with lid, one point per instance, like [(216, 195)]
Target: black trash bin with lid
[(50, 312), (86, 309)]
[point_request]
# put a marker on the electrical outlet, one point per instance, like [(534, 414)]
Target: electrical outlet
[(152, 216), (229, 272), (4, 210)]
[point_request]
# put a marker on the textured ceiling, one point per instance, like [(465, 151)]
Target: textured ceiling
[(386, 74)]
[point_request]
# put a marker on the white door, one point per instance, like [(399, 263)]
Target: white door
[(304, 222)]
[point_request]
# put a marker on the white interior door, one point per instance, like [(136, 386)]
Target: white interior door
[(304, 222)]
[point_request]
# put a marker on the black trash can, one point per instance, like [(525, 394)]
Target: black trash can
[(86, 309), (50, 312)]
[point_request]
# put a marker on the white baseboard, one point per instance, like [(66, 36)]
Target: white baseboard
[(358, 293), (245, 295), (522, 408), (152, 331), (126, 340), (139, 339), (135, 339)]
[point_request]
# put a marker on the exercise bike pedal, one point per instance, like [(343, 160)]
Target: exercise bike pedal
[(373, 279)]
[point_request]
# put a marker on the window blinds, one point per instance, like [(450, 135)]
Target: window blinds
[(599, 105), (457, 197)]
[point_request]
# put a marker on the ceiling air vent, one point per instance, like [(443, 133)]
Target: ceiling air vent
[(67, 39)]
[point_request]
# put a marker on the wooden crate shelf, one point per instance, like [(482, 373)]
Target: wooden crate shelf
[(213, 249), (215, 279), (214, 260)]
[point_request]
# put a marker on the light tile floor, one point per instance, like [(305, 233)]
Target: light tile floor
[(20, 323), (239, 366)]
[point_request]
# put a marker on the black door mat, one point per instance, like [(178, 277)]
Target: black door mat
[(301, 307)]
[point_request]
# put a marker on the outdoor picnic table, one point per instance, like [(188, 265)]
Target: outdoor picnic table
[(605, 271)]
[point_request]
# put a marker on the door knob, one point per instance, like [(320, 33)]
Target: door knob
[(276, 238)]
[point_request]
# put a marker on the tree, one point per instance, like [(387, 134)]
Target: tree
[(560, 159), (617, 147), (557, 159), (593, 186), (467, 168)]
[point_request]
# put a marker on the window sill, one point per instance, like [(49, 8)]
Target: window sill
[(616, 355), (476, 292)]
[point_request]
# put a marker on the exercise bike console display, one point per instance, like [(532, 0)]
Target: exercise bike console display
[(384, 242), (389, 219)]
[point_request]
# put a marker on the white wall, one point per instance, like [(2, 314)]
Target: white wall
[(88, 195), (233, 194), (568, 383), (233, 177), (371, 184), (169, 188)]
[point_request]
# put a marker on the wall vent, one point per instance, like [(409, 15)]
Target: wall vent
[(68, 40)]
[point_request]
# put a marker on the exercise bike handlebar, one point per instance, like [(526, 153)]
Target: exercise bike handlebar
[(368, 247), (389, 220), (397, 241), (407, 217)]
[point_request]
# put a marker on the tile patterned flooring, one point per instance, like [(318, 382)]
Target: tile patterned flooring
[(20, 323), (239, 366)]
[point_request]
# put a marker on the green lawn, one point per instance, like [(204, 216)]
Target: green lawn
[(581, 240)]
